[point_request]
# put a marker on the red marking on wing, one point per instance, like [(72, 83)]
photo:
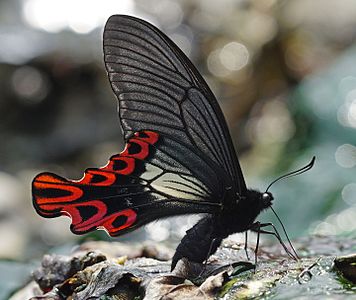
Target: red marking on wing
[(130, 219), (46, 181), (149, 136), (143, 151), (54, 196), (114, 162), (109, 178)]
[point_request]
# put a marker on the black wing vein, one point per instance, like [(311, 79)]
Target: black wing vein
[(146, 42), (146, 85), (134, 70), (159, 106), (108, 45), (216, 140), (188, 186), (166, 71)]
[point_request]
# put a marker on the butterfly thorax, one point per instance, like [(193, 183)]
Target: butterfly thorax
[(240, 215)]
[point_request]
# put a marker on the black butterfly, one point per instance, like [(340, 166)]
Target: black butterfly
[(179, 157)]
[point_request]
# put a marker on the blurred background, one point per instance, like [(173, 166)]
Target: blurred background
[(284, 73)]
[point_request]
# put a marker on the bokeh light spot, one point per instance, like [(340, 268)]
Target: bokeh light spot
[(347, 84), (275, 124), (345, 156), (80, 16), (349, 193), (215, 66), (230, 58), (30, 84), (234, 56)]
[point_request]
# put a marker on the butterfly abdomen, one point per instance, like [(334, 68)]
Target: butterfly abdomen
[(200, 241)]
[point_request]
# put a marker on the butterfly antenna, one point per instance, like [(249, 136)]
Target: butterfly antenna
[(294, 173), (285, 232)]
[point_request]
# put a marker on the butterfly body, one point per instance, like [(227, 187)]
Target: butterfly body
[(203, 239)]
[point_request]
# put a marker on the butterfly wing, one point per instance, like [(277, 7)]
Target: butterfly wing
[(137, 186), (179, 157), (159, 89)]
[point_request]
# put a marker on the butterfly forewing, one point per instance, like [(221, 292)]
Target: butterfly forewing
[(160, 90)]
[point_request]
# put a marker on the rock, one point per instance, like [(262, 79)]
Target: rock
[(97, 275), (346, 265), (173, 287), (57, 268)]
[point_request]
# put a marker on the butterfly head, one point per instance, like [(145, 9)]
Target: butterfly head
[(254, 198), (266, 199)]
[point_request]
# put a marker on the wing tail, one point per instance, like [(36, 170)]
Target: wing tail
[(100, 198), (54, 196)]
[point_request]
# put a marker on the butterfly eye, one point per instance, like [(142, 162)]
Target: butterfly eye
[(267, 198)]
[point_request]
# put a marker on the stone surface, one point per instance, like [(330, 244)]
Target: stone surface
[(228, 275)]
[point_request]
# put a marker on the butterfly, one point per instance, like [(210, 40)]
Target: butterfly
[(179, 158)]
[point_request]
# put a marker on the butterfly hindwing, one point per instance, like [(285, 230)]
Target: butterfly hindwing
[(133, 189)]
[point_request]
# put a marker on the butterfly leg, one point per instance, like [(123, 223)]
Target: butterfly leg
[(212, 244), (277, 235), (258, 227), (294, 255), (248, 258)]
